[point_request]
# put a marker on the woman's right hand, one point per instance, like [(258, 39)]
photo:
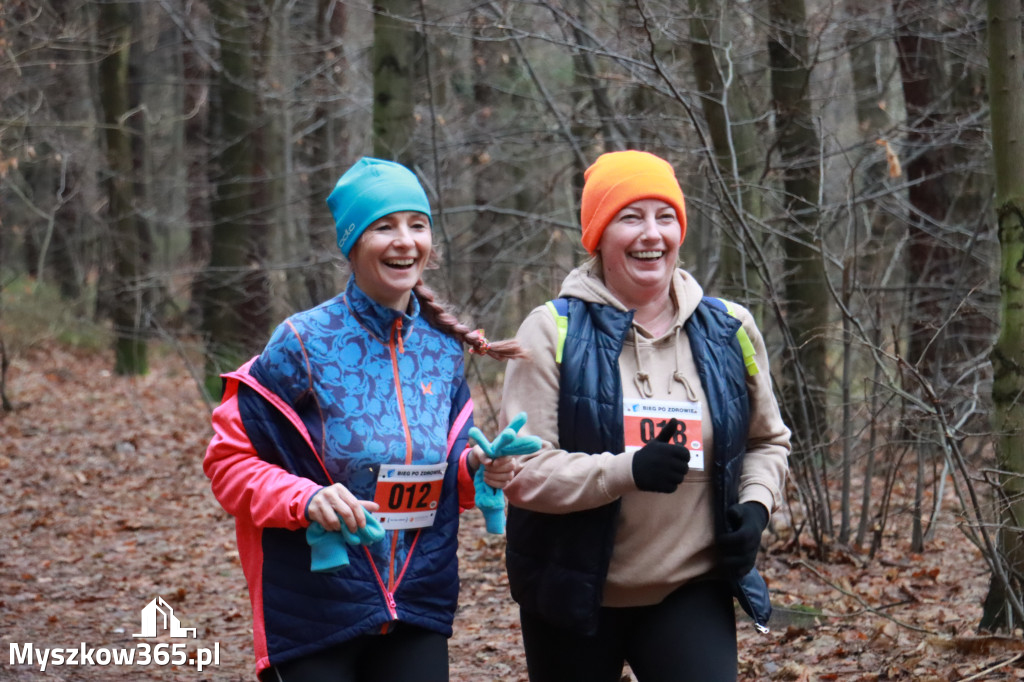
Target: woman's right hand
[(660, 466), (334, 501)]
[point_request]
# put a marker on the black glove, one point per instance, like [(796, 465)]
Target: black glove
[(659, 466), (738, 547)]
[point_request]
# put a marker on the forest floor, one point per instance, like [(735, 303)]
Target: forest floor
[(104, 507)]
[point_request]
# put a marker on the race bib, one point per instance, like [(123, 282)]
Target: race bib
[(408, 495), (644, 419)]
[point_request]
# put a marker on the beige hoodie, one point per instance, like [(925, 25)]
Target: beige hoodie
[(662, 540)]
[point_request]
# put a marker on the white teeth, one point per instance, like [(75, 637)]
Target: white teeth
[(645, 255), (400, 262)]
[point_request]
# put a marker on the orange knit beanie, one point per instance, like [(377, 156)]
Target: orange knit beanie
[(616, 180)]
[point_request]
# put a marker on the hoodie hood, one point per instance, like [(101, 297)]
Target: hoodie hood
[(586, 283), (651, 356)]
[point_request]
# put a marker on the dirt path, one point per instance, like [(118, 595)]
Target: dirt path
[(105, 507)]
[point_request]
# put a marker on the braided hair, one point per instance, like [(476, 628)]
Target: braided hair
[(438, 315)]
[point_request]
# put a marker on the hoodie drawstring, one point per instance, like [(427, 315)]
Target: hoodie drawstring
[(642, 380), (677, 375)]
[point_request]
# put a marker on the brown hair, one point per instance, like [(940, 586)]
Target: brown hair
[(441, 317)]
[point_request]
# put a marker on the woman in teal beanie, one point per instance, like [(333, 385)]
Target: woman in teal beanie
[(342, 452)]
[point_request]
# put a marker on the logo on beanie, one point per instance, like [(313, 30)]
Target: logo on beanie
[(344, 236)]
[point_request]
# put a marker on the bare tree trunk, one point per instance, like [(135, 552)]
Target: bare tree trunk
[(489, 185), (234, 313), (5, 403), (869, 227), (394, 49), (969, 320), (1002, 609), (931, 258), (196, 113), (739, 155), (329, 146), (807, 301), (586, 72), (128, 234), (865, 55), (278, 220), (924, 86)]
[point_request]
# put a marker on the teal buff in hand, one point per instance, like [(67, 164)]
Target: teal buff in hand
[(509, 443), (328, 548)]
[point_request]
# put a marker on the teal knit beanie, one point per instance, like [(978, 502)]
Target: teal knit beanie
[(370, 190)]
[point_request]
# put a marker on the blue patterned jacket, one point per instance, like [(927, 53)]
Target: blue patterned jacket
[(339, 390)]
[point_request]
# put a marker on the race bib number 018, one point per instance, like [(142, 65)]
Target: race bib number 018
[(644, 419), (408, 495)]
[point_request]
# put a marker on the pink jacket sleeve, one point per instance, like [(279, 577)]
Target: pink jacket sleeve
[(467, 491), (458, 441), (244, 484)]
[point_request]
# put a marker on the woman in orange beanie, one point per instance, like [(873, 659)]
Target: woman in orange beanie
[(664, 452)]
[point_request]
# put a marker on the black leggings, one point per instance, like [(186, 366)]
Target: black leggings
[(688, 637), (409, 654)]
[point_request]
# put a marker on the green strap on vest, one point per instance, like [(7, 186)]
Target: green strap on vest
[(746, 345), (562, 325)]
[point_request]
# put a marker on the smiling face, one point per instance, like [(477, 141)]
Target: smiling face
[(638, 250), (390, 256)]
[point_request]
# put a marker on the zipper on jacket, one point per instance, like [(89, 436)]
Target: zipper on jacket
[(396, 346), (396, 339), (392, 585), (408, 557), (389, 593), (392, 604), (388, 596), (397, 335)]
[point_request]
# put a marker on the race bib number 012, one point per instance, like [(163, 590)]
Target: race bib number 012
[(408, 495), (644, 419)]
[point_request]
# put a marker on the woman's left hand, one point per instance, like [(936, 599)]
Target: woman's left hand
[(498, 473)]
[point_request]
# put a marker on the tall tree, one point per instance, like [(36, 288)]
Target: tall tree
[(394, 68), (329, 143), (970, 329), (807, 301), (128, 233), (869, 227), (275, 163), (234, 312), (591, 77), (739, 153), (929, 257), (491, 171), (1003, 605), (196, 70)]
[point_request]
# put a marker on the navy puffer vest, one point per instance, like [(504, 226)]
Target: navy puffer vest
[(557, 563)]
